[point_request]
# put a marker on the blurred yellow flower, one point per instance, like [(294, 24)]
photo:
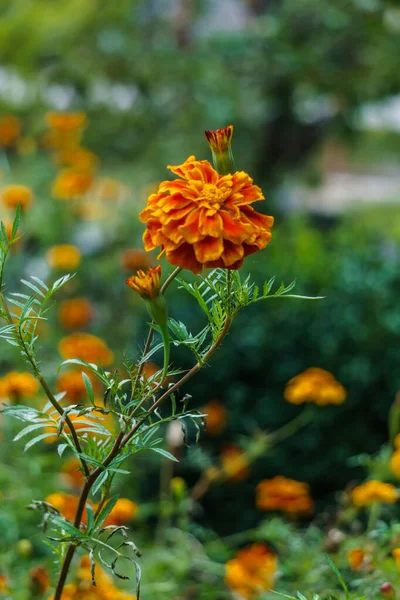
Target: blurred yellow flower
[(71, 184), (356, 558), (287, 495), (66, 121), (12, 195), (75, 313), (374, 491), (234, 463), (10, 129), (252, 571), (134, 259), (16, 385), (146, 284), (123, 512), (64, 256), (316, 386), (215, 417), (87, 347)]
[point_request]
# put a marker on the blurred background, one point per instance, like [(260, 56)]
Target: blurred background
[(312, 88)]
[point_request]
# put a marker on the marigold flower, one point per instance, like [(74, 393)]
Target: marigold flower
[(204, 220), (16, 385), (39, 580), (66, 122), (71, 382), (287, 495), (252, 571), (12, 195), (220, 139), (356, 558), (71, 183), (146, 284), (374, 491), (135, 259), (215, 417), (87, 347), (72, 473), (316, 386), (75, 313), (66, 504), (77, 157), (64, 256), (234, 463), (10, 129), (123, 512)]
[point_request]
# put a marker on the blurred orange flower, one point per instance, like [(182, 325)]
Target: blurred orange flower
[(75, 313), (72, 474), (39, 580), (252, 571), (16, 385), (10, 129), (66, 121), (204, 220), (215, 417), (316, 386), (71, 183), (134, 259), (3, 583), (287, 495), (71, 382), (64, 256), (80, 158), (87, 347), (12, 195), (66, 504), (374, 491), (107, 188), (234, 463), (356, 558), (146, 284), (123, 512)]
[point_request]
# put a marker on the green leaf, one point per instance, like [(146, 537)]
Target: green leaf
[(31, 428), (164, 453), (100, 481), (90, 518), (37, 439), (105, 511), (16, 223), (89, 387)]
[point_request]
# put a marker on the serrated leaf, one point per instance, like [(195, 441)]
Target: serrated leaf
[(101, 517), (89, 387), (37, 439), (164, 453), (100, 481), (31, 428)]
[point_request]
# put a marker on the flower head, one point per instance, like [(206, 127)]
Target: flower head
[(64, 256), (146, 284), (75, 313), (234, 463), (374, 491), (204, 219), (10, 129), (87, 347), (123, 512), (215, 417), (16, 385), (71, 382), (12, 195), (252, 570), (66, 121), (287, 495), (356, 558), (72, 183), (66, 504), (315, 386)]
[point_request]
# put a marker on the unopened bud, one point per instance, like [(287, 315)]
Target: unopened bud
[(24, 547), (387, 590)]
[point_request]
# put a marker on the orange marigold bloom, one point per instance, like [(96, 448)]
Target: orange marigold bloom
[(356, 558), (287, 495), (220, 139), (374, 491), (252, 571), (71, 382), (39, 580), (316, 386), (12, 195), (64, 256), (75, 313), (72, 474), (65, 121), (215, 417), (77, 157), (204, 219), (16, 385), (87, 347), (234, 463), (71, 184), (10, 129), (123, 512), (146, 284), (135, 259)]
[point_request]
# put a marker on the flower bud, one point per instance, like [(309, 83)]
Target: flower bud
[(24, 547), (387, 590), (220, 144)]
